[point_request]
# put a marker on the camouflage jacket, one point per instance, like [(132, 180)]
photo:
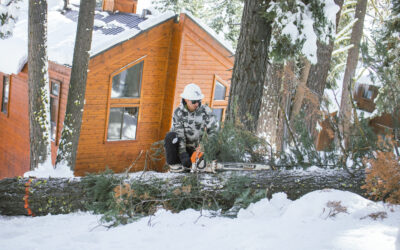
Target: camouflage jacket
[(190, 126)]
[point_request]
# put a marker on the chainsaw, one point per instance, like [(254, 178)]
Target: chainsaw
[(200, 165)]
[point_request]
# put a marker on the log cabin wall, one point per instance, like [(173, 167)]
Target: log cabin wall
[(14, 132), (194, 57), (173, 54), (201, 60), (173, 65), (95, 152), (61, 75), (14, 127)]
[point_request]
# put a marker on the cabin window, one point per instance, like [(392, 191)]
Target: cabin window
[(123, 113), (54, 107), (122, 123), (127, 83), (218, 112), (5, 99), (367, 93), (219, 100), (220, 91)]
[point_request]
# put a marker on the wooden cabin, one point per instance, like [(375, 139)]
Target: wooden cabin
[(364, 96), (133, 86)]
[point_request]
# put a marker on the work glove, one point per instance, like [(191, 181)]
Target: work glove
[(185, 160)]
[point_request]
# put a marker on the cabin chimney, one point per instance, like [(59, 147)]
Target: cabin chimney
[(127, 6)]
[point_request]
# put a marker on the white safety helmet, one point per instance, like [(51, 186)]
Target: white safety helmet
[(192, 92)]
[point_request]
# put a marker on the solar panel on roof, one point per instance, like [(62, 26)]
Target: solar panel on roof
[(116, 22)]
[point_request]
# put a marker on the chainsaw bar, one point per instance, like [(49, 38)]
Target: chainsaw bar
[(238, 166)]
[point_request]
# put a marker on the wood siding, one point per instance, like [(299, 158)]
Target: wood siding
[(174, 54), (95, 153), (360, 97), (128, 6), (14, 132), (201, 59)]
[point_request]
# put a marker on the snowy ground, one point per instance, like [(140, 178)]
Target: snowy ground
[(307, 223)]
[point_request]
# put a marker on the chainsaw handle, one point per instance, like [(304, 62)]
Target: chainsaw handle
[(196, 155)]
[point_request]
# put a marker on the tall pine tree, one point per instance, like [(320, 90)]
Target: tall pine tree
[(384, 60), (68, 148), (38, 83)]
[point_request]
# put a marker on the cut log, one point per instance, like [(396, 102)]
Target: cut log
[(27, 196)]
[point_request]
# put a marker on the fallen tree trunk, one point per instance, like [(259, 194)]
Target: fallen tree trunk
[(27, 196)]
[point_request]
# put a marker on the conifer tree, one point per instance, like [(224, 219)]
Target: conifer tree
[(351, 65), (8, 16), (384, 60), (68, 148), (38, 82), (221, 15)]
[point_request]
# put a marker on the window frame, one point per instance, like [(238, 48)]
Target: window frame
[(3, 77), (124, 102), (58, 108), (366, 92), (220, 104)]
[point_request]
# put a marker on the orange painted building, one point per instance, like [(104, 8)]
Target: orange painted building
[(133, 86)]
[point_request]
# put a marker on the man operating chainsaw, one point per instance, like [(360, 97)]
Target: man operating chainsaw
[(190, 121)]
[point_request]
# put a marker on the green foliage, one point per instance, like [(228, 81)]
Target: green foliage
[(222, 16), (123, 201), (382, 56), (8, 17), (342, 41), (239, 193), (384, 59), (238, 189), (100, 188), (302, 152), (233, 144), (284, 14)]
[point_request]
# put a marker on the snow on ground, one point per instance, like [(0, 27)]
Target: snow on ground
[(307, 223)]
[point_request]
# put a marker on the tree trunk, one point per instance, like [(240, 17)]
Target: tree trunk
[(277, 107), (316, 80), (38, 82), (352, 60), (67, 150), (270, 118), (23, 196), (66, 2), (300, 90), (251, 64), (273, 123)]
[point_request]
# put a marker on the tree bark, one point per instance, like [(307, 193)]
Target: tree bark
[(68, 148), (38, 82), (277, 106), (251, 64), (300, 90), (18, 196), (351, 65), (316, 80), (66, 2), (270, 115)]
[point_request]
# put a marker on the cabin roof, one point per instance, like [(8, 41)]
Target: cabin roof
[(110, 24), (110, 29)]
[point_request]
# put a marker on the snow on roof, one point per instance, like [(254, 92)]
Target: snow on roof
[(109, 29)]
